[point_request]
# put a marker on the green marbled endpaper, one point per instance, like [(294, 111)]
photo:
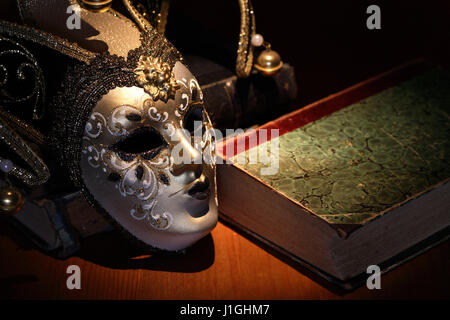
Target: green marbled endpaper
[(353, 165)]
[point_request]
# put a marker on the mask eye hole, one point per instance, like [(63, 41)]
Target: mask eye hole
[(140, 141), (194, 115)]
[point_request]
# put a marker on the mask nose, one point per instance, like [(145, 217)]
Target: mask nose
[(195, 169), (186, 158)]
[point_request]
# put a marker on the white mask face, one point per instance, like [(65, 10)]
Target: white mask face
[(129, 164)]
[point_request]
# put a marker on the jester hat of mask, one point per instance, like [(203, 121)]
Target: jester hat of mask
[(117, 120)]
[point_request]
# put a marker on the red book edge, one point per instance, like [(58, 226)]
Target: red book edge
[(325, 106)]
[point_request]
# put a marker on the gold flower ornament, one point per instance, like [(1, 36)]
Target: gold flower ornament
[(156, 78)]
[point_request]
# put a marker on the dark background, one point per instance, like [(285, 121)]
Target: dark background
[(327, 41)]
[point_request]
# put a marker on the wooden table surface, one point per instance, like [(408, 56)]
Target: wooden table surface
[(224, 265)]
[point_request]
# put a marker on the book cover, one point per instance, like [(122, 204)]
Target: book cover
[(349, 160), (356, 163)]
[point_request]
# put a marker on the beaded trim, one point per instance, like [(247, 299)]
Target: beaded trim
[(244, 62), (40, 173), (156, 12), (48, 40)]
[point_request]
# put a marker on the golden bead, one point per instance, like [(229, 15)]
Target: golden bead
[(269, 62), (96, 5), (11, 200)]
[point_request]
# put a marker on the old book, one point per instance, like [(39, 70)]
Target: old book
[(362, 180)]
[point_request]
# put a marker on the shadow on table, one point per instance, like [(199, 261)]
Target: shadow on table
[(112, 250), (327, 284)]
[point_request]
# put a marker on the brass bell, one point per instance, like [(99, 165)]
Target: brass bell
[(269, 62), (11, 200), (96, 6)]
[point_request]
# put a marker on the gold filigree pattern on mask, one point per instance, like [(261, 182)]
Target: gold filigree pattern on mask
[(153, 220), (156, 78)]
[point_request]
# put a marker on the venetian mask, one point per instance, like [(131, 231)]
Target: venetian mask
[(125, 124), (139, 160)]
